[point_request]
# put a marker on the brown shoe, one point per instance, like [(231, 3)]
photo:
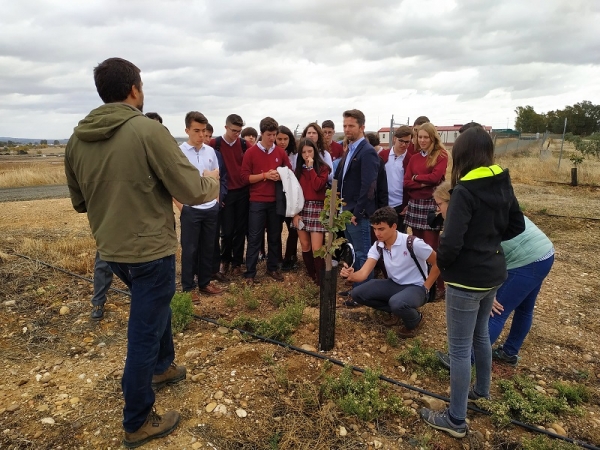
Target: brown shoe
[(275, 275), (249, 281), (154, 427), (195, 296), (237, 271), (174, 374), (209, 289), (220, 277), (390, 320), (405, 333)]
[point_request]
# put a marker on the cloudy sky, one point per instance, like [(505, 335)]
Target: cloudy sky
[(299, 60)]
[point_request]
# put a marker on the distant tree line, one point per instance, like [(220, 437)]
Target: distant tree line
[(583, 119)]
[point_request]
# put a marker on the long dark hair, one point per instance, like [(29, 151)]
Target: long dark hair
[(320, 138), (473, 148), (317, 160), (291, 147)]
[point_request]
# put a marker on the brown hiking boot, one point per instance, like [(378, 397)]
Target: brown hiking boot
[(154, 427), (405, 333), (174, 374)]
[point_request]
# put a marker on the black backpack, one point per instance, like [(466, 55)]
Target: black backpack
[(219, 139), (409, 244)]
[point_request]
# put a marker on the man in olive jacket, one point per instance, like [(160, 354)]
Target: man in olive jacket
[(123, 169)]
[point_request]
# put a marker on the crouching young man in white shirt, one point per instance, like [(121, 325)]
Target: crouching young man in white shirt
[(405, 290)]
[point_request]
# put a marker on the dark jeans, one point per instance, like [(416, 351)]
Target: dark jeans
[(149, 341), (259, 213), (386, 295), (519, 293), (235, 226), (359, 236), (216, 260), (198, 229), (103, 276)]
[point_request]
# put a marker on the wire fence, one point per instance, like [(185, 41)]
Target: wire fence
[(504, 143)]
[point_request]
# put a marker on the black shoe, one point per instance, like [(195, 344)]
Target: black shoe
[(499, 355), (97, 312), (351, 304), (345, 293), (444, 359)]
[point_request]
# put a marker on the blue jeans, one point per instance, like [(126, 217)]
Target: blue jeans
[(467, 316), (149, 340), (519, 293), (359, 236), (401, 300), (103, 276)]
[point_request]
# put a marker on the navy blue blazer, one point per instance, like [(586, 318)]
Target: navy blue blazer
[(358, 186)]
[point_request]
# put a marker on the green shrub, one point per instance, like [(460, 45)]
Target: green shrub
[(545, 443), (521, 401), (182, 311), (423, 360), (391, 338), (280, 326), (574, 394), (364, 396)]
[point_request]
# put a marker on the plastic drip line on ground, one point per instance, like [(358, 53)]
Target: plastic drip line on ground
[(338, 363)]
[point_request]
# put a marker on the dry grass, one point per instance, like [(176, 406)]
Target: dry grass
[(31, 174), (529, 166)]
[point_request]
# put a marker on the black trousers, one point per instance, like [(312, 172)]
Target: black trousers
[(198, 229), (259, 213), (234, 225)]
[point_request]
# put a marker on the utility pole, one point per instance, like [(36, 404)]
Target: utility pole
[(392, 125)]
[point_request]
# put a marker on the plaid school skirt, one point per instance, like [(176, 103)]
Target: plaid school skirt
[(310, 216), (416, 214)]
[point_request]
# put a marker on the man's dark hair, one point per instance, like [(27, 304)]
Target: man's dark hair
[(421, 120), (209, 128), (328, 124), (234, 119), (466, 126), (268, 124), (154, 116), (194, 116), (114, 79), (249, 131), (403, 131), (472, 149), (355, 114), (373, 139), (387, 214)]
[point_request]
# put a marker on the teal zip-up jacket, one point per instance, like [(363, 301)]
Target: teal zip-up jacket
[(123, 169), (483, 211)]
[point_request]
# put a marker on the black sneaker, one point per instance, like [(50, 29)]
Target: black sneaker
[(499, 355), (474, 396), (441, 421), (351, 304), (97, 312), (444, 359)]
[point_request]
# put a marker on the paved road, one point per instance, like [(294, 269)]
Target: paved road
[(33, 193)]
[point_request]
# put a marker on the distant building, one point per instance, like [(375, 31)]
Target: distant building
[(448, 134)]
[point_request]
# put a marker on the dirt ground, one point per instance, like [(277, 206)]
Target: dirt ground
[(60, 384)]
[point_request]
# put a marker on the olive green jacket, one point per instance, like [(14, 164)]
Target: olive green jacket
[(123, 169)]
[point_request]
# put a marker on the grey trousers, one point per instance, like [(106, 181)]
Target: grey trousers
[(103, 276)]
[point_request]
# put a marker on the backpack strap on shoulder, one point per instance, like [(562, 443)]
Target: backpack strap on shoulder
[(409, 244), (218, 140)]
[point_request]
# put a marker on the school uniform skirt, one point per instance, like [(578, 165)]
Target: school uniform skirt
[(310, 215), (416, 214)]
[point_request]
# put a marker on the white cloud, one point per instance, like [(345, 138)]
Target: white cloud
[(299, 61)]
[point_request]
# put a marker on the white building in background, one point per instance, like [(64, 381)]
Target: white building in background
[(448, 134)]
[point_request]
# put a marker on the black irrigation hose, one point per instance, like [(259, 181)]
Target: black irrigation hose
[(340, 363), (60, 269), (562, 216)]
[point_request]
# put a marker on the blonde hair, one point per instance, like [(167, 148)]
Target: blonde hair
[(438, 148), (443, 191)]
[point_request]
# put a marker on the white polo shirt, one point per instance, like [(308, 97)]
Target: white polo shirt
[(203, 159), (394, 169), (399, 265)]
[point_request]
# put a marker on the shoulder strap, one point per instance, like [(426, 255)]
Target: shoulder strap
[(218, 140), (409, 244), (244, 144)]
